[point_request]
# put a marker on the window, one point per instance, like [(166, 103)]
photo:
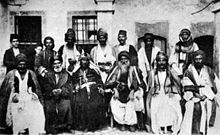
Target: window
[(86, 31), (29, 29)]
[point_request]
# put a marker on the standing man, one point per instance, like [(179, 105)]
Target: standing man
[(43, 59), (21, 100), (147, 55), (200, 88), (10, 55), (70, 52), (127, 83), (163, 108), (57, 98), (123, 46), (104, 54), (181, 56)]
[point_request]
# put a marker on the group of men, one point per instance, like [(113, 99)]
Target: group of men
[(73, 90)]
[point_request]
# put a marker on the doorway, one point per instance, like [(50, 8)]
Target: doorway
[(206, 43)]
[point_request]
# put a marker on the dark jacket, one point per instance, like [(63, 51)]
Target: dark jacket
[(10, 59)]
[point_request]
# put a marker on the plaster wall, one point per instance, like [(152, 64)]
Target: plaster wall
[(127, 13)]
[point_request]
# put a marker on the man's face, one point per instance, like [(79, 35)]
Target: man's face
[(49, 44), (70, 38), (38, 49), (124, 63), (57, 66), (185, 36), (198, 61), (22, 67), (148, 41), (102, 40), (84, 63), (162, 63), (15, 43), (122, 39)]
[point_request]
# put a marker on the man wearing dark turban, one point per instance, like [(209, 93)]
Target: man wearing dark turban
[(70, 52), (103, 55), (200, 86), (21, 100), (147, 55), (127, 83)]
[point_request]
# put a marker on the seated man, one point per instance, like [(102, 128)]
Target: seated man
[(87, 98), (200, 88), (163, 99), (57, 98), (20, 97), (128, 85)]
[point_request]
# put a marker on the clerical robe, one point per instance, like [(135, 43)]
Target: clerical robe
[(163, 101), (123, 109), (87, 101), (198, 111), (27, 111)]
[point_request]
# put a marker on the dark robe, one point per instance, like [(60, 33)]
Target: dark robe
[(57, 108), (44, 59), (88, 108)]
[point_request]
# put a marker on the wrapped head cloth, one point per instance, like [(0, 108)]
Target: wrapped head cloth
[(123, 53), (21, 57), (198, 52), (102, 32), (148, 36)]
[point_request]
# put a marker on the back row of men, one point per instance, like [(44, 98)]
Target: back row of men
[(73, 90)]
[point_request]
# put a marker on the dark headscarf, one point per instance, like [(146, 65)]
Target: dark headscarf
[(21, 57), (123, 53)]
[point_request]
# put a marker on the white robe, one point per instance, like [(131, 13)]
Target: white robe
[(143, 62), (71, 54), (165, 110), (206, 105), (102, 56), (27, 113)]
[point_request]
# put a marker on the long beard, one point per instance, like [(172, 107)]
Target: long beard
[(124, 67), (58, 69)]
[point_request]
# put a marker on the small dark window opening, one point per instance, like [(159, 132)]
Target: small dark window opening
[(86, 31), (28, 29)]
